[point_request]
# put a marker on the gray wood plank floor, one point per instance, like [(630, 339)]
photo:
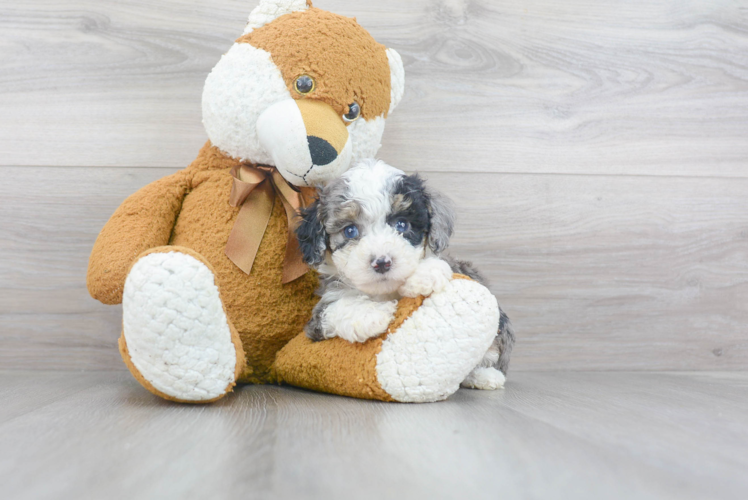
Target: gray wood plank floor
[(547, 435)]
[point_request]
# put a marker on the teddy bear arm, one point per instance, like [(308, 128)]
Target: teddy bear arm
[(430, 347), (143, 221)]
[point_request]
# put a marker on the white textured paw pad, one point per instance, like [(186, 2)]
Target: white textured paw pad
[(439, 345), (175, 327), (484, 378)]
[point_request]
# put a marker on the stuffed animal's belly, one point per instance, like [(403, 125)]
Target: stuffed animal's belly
[(266, 313)]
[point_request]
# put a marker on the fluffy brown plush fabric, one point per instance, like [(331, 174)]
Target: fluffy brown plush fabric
[(265, 313), (338, 366), (143, 221), (341, 56)]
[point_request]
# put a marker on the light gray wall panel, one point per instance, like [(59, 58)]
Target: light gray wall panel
[(597, 272), (645, 88)]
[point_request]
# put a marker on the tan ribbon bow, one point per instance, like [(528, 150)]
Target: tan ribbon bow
[(254, 190)]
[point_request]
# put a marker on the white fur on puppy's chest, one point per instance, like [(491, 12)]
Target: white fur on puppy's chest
[(433, 351)]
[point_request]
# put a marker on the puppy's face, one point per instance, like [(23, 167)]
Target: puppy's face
[(375, 224)]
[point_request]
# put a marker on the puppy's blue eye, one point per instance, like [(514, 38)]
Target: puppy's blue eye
[(350, 232), (402, 226)]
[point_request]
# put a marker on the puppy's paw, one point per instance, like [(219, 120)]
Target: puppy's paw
[(487, 379), (431, 275), (368, 319)]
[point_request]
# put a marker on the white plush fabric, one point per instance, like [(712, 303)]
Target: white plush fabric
[(397, 78), (319, 175), (282, 134), (243, 84), (270, 10), (435, 349), (176, 329), (365, 138)]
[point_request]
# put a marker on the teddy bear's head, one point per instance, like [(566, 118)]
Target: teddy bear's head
[(304, 90)]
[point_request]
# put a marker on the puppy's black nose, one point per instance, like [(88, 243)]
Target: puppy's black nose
[(322, 151), (382, 264)]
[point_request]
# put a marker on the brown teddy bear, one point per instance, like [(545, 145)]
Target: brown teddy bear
[(213, 286)]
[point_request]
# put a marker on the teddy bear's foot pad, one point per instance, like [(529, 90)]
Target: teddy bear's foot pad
[(177, 336), (436, 348)]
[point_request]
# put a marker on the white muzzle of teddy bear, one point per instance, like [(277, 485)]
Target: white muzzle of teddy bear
[(307, 141)]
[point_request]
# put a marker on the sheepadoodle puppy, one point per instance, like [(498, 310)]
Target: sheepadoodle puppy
[(376, 235)]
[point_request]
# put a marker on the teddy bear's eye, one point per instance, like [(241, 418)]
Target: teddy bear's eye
[(354, 111), (304, 84)]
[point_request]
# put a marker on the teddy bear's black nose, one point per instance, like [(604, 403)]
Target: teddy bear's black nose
[(322, 151)]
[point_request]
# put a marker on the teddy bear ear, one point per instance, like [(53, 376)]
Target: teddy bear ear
[(397, 78), (270, 10)]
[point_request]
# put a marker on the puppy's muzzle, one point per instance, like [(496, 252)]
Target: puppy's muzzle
[(381, 265)]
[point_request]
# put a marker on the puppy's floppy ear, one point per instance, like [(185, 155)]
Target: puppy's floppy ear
[(311, 235), (441, 221)]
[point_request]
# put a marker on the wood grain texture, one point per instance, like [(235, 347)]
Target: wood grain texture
[(645, 88), (596, 272), (612, 272), (547, 435), (51, 217)]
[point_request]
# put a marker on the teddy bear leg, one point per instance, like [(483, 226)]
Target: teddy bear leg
[(176, 339), (430, 348)]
